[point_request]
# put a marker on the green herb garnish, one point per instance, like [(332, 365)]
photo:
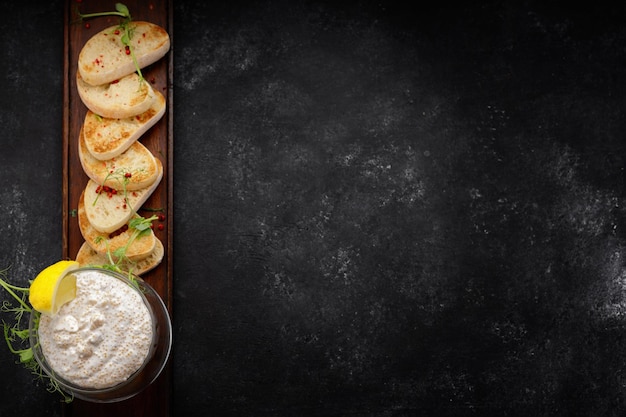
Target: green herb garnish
[(120, 10), (125, 26), (18, 334), (122, 178), (139, 226)]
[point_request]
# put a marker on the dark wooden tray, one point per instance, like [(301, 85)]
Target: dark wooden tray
[(155, 400)]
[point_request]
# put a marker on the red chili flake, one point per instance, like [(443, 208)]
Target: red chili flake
[(161, 227), (98, 189), (161, 217), (87, 25), (152, 80), (115, 81), (124, 206), (127, 50), (128, 174), (117, 31)]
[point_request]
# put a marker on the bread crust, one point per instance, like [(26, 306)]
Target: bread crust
[(127, 97), (107, 212), (136, 160), (103, 58), (86, 256), (138, 249), (107, 138)]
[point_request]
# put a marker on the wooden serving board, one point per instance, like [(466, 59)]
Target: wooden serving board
[(155, 400)]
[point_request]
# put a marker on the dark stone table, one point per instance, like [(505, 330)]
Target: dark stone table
[(378, 212)]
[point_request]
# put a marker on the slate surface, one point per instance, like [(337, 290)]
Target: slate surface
[(378, 212)]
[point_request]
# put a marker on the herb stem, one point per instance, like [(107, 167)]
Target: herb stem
[(88, 15), (9, 288), (132, 54)]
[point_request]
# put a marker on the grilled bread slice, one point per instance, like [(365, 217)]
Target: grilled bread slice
[(133, 169), (127, 97), (107, 138), (108, 210), (136, 249), (104, 59), (86, 256)]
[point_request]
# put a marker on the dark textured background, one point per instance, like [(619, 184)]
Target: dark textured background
[(379, 212)]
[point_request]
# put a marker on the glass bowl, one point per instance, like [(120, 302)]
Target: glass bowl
[(153, 364)]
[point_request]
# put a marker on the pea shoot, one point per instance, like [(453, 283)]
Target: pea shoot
[(125, 28), (18, 334), (139, 226)]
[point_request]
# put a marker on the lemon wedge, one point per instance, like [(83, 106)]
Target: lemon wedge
[(53, 287)]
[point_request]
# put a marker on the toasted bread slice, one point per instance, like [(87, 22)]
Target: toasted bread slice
[(108, 211), (86, 256), (107, 138), (103, 58), (139, 248), (137, 161), (127, 97)]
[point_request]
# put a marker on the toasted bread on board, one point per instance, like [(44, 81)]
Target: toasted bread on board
[(104, 58), (106, 138), (137, 161), (129, 96), (86, 256), (139, 248), (108, 210)]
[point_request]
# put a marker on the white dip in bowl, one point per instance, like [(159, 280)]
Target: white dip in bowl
[(100, 338)]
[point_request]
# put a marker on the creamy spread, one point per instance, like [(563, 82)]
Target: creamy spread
[(101, 337)]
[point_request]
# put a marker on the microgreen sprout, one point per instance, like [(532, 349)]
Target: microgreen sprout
[(19, 333), (139, 226), (122, 178), (125, 26), (120, 10)]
